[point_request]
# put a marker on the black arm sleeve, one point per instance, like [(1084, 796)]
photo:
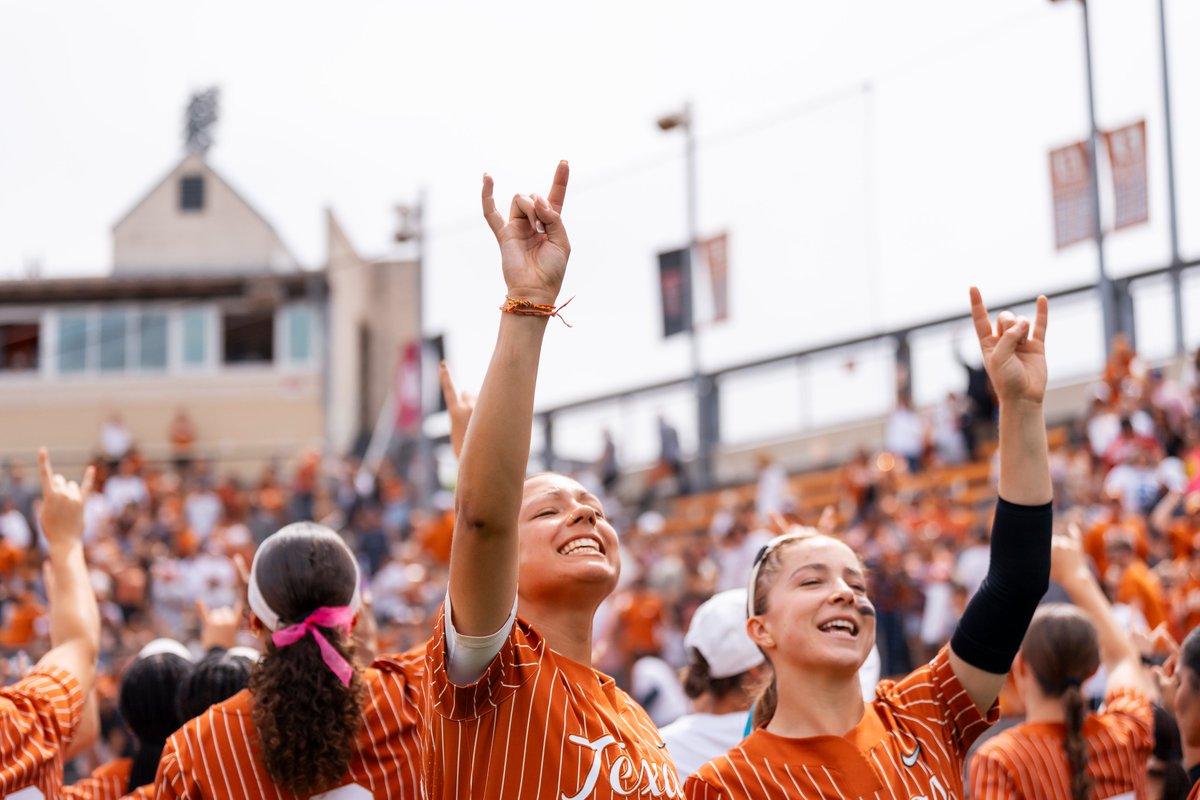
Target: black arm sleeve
[(991, 629)]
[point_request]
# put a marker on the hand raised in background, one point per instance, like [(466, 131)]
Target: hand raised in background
[(62, 503), (459, 405)]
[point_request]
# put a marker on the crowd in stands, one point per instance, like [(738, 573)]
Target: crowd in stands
[(164, 540)]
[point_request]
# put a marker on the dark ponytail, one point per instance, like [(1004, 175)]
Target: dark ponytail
[(306, 719), (1062, 650), (1075, 711)]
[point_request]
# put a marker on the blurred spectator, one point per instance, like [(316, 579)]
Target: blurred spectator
[(14, 526), (770, 495), (905, 434), (182, 435), (126, 487), (606, 465), (1132, 580), (115, 440), (670, 456)]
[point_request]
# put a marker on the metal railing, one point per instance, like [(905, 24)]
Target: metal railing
[(851, 379)]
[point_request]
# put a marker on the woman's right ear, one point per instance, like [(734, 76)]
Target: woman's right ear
[(757, 630)]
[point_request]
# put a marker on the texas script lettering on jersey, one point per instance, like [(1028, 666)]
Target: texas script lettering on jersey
[(625, 776)]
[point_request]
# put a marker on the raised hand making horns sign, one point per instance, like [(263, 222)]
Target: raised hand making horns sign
[(1014, 354), (533, 241)]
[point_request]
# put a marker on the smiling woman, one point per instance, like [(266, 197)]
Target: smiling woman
[(809, 613), (514, 708)]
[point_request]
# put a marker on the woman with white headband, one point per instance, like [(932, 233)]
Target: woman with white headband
[(149, 710), (312, 720), (808, 611)]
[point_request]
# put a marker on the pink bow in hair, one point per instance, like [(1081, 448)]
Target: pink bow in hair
[(324, 617)]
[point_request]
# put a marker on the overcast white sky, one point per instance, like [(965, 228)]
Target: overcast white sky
[(848, 209)]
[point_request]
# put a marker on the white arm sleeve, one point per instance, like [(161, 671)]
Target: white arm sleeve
[(468, 657)]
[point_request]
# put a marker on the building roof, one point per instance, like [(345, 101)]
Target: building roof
[(44, 291)]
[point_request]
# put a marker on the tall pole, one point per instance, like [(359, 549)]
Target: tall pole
[(426, 464), (1104, 284), (1176, 284), (700, 386)]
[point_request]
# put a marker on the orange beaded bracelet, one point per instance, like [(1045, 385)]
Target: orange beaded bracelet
[(528, 308)]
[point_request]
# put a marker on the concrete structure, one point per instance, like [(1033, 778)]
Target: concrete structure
[(206, 312)]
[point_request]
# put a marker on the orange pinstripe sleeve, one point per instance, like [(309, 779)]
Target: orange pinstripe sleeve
[(936, 707), (107, 782), (38, 718), (1194, 794), (519, 659), (170, 781), (990, 779), (1130, 717)]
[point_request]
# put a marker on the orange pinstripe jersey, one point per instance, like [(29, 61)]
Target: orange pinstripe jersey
[(141, 793), (909, 745), (107, 782), (38, 719), (218, 754), (538, 725), (1194, 794), (1027, 762)]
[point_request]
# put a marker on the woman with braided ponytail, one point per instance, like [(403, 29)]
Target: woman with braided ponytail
[(1062, 752)]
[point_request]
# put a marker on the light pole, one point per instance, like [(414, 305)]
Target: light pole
[(1176, 262), (703, 388), (411, 228), (1104, 284)]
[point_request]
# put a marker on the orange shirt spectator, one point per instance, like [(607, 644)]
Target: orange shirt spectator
[(1138, 586), (639, 622), (19, 631), (436, 536), (10, 558)]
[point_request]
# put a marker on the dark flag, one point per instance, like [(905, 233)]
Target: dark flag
[(673, 267)]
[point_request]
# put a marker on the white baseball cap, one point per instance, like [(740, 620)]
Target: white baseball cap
[(718, 631)]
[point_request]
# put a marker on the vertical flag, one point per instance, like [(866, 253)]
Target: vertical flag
[(673, 267), (408, 387), (1127, 154), (1071, 180), (714, 252)]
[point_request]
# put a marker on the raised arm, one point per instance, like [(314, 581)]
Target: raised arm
[(491, 475), (1120, 657), (990, 632), (74, 617)]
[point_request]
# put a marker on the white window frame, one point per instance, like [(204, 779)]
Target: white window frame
[(175, 357), (283, 337)]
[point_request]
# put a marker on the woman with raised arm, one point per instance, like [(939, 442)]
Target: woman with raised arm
[(515, 709), (1062, 751), (808, 611), (40, 714), (313, 720)]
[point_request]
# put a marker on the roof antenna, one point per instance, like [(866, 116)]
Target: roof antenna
[(200, 120)]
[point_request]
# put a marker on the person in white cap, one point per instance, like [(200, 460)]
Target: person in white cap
[(725, 671)]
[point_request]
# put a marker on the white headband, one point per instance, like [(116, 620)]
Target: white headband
[(263, 610), (161, 646)]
